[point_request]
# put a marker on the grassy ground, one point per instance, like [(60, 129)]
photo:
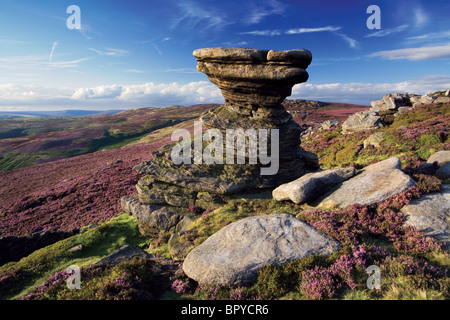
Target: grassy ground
[(96, 243)]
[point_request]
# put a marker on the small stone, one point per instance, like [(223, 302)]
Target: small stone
[(76, 249)]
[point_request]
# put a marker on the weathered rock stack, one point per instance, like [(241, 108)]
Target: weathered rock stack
[(254, 84)]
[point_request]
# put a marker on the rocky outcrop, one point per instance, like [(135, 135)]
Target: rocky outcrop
[(394, 101), (375, 183), (397, 103), (360, 121), (431, 215), (233, 255), (312, 185)]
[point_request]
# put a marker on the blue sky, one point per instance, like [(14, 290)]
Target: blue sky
[(131, 54)]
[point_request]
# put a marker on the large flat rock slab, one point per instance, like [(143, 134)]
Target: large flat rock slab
[(376, 183), (431, 215), (311, 185), (233, 255)]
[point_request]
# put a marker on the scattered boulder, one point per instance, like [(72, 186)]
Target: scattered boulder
[(431, 215), (233, 255), (444, 171), (124, 253), (375, 139), (311, 185), (441, 157), (362, 120), (425, 99), (375, 183), (328, 124), (152, 217), (442, 100)]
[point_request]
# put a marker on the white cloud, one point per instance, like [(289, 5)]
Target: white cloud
[(414, 54), (364, 93), (124, 96), (385, 32), (111, 52), (100, 92), (153, 94)]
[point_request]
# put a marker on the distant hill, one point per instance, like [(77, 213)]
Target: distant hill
[(30, 141), (59, 113)]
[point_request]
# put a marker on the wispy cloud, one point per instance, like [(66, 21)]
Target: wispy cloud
[(263, 33), (12, 42), (53, 51), (351, 42), (385, 32), (182, 70), (191, 15), (295, 31), (420, 17), (431, 36), (157, 49), (258, 11), (415, 54), (135, 71), (111, 52), (308, 30), (36, 62), (85, 29)]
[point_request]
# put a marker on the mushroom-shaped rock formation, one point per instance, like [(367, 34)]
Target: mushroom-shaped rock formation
[(254, 84)]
